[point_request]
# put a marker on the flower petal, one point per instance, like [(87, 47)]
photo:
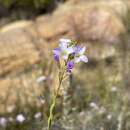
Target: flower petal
[(84, 58), (70, 50), (65, 40), (56, 51), (70, 65), (63, 46), (82, 50), (77, 48), (56, 57), (65, 57), (77, 59)]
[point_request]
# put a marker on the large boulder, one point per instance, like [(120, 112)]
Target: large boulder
[(91, 21), (17, 51)]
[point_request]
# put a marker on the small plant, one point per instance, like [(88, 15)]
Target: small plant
[(66, 55)]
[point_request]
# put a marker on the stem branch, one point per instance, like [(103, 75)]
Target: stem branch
[(52, 107)]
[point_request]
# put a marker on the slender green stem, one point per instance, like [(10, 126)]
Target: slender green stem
[(52, 107)]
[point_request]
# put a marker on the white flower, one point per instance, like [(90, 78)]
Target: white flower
[(65, 49), (40, 79), (3, 121), (114, 89), (109, 117), (93, 105), (37, 115), (20, 118)]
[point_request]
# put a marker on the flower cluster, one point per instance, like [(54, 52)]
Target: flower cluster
[(70, 52)]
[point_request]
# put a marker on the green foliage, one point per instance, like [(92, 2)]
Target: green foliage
[(28, 3)]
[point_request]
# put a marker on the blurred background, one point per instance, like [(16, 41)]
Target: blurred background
[(97, 94)]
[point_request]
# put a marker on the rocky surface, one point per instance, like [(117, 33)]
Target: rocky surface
[(26, 43), (17, 51)]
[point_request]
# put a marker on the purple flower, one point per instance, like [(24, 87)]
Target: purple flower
[(70, 53), (79, 54), (64, 50), (70, 65), (56, 58), (56, 53)]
